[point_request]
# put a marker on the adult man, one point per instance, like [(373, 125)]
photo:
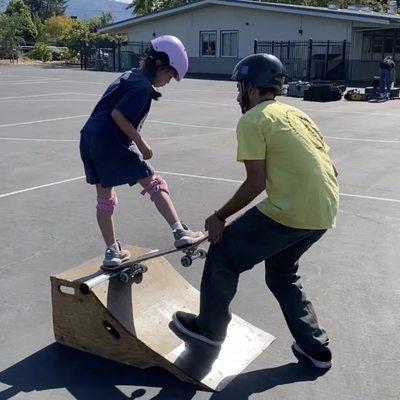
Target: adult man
[(283, 153), (386, 75)]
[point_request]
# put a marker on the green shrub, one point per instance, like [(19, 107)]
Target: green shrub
[(67, 55), (41, 52)]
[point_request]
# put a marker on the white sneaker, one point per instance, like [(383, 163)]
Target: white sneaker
[(185, 237), (114, 258)]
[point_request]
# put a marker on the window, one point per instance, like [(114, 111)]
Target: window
[(397, 46), (229, 43), (208, 44), (377, 44), (388, 45)]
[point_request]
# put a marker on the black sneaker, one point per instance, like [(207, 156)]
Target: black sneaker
[(186, 324), (322, 359)]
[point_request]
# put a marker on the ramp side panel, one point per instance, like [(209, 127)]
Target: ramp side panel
[(78, 322)]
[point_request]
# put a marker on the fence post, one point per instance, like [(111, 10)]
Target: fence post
[(310, 46), (255, 46), (288, 50), (114, 56), (343, 59), (273, 47), (326, 60), (119, 56), (81, 55)]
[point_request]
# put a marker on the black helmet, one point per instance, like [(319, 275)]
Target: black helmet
[(260, 70)]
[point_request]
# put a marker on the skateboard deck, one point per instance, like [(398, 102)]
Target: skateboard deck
[(132, 270), (191, 253)]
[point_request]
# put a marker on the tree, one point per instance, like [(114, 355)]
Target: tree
[(47, 8), (27, 28), (73, 37), (10, 32), (148, 6), (54, 28), (96, 23)]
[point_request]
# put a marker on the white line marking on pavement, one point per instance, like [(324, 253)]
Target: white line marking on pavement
[(29, 82), (38, 140), (362, 140), (191, 126), (350, 112), (44, 120), (29, 76), (207, 178), (37, 95), (40, 187), (359, 196)]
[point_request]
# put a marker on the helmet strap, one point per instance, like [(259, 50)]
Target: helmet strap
[(244, 101)]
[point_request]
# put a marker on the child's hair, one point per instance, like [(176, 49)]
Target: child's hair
[(148, 64)]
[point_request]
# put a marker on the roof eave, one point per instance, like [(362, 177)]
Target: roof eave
[(122, 26)]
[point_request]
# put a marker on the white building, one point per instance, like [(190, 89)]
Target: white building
[(218, 33)]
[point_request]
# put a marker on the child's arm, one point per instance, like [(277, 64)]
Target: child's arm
[(125, 125)]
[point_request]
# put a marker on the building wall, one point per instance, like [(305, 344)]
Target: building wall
[(251, 25)]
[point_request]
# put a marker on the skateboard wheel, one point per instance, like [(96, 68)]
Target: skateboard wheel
[(202, 253), (186, 261), (137, 278), (124, 277)]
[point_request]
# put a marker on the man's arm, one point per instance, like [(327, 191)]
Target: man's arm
[(247, 192)]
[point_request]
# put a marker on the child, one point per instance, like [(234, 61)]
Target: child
[(114, 153)]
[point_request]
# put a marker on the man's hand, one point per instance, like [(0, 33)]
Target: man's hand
[(215, 227), (145, 149)]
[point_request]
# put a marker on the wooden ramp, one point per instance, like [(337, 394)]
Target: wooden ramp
[(131, 323)]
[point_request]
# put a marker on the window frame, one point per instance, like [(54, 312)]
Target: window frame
[(201, 44), (220, 43)]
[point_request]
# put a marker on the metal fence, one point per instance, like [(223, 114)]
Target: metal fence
[(310, 60), (103, 56)]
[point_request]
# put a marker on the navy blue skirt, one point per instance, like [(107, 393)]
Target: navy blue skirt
[(112, 159)]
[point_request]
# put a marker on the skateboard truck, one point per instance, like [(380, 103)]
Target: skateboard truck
[(133, 273), (192, 254)]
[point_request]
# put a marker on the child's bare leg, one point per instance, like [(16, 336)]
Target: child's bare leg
[(163, 202), (157, 188), (104, 214)]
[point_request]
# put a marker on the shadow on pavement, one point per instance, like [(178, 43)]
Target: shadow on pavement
[(86, 376)]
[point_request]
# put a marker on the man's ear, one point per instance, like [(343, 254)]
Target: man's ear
[(253, 91)]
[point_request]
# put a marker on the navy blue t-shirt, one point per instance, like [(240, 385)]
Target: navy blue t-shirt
[(131, 94)]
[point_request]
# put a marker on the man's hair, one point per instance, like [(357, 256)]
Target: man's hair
[(266, 91)]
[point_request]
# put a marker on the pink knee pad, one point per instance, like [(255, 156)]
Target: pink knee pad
[(107, 205), (155, 185)]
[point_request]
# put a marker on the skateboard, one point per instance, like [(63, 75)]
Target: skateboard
[(132, 270)]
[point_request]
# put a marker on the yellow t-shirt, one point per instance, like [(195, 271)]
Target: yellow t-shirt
[(301, 186)]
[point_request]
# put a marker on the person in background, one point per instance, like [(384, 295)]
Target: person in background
[(386, 75)]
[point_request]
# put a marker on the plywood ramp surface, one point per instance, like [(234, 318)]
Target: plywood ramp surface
[(131, 323)]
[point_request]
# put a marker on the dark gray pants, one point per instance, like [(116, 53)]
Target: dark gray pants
[(250, 239)]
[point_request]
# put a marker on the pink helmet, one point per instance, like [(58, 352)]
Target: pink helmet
[(176, 52)]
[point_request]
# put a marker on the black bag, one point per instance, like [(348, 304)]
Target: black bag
[(376, 82), (322, 93)]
